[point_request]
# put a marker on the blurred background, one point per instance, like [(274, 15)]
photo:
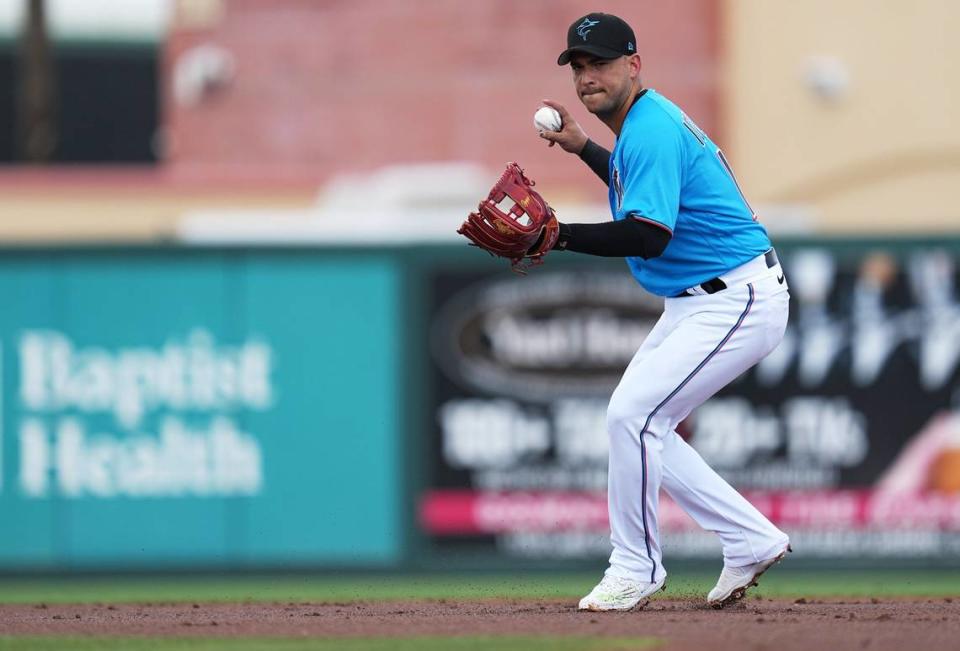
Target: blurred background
[(239, 332)]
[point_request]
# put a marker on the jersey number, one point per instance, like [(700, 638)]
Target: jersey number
[(726, 166), (702, 139)]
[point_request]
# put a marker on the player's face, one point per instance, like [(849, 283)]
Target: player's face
[(603, 85)]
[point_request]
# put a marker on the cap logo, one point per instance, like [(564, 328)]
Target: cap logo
[(629, 47), (584, 28)]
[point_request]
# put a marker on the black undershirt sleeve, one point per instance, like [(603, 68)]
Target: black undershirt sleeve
[(625, 238), (598, 159)]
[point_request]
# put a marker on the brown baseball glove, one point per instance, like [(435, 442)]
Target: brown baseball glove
[(513, 222)]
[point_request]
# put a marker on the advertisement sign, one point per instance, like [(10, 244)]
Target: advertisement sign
[(847, 436), (197, 407)]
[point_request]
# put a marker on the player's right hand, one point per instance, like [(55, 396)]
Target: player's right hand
[(571, 137)]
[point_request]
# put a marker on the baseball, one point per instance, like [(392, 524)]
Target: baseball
[(547, 119)]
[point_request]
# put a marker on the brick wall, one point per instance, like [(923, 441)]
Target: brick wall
[(325, 86)]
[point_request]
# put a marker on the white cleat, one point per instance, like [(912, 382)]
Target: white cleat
[(614, 593), (734, 581)]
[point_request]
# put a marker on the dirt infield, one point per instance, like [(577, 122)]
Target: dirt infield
[(781, 625)]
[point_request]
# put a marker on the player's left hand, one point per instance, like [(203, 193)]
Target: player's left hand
[(571, 136), (525, 233)]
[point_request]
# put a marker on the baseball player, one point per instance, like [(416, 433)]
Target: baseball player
[(689, 235)]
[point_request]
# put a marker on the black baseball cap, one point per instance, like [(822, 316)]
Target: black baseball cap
[(603, 35)]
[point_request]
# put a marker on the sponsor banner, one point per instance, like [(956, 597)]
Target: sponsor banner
[(850, 427), (551, 334), (198, 408), (466, 512), (170, 417)]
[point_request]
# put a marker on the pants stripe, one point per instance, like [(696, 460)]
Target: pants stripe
[(643, 446)]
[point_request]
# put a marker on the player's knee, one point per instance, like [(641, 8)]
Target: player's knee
[(625, 414), (631, 410)]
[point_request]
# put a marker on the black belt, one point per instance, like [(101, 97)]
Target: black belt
[(716, 285)]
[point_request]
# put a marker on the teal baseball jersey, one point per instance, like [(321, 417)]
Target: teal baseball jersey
[(665, 170)]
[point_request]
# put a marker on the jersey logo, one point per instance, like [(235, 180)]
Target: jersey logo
[(584, 28), (617, 187)]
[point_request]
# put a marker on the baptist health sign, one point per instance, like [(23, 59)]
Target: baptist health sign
[(169, 430), (199, 408)]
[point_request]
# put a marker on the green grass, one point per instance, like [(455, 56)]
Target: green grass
[(472, 643), (314, 588), (333, 588)]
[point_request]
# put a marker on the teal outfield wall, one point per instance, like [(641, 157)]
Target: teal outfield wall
[(225, 408), (193, 407)]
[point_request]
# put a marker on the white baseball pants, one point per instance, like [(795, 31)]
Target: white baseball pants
[(699, 345)]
